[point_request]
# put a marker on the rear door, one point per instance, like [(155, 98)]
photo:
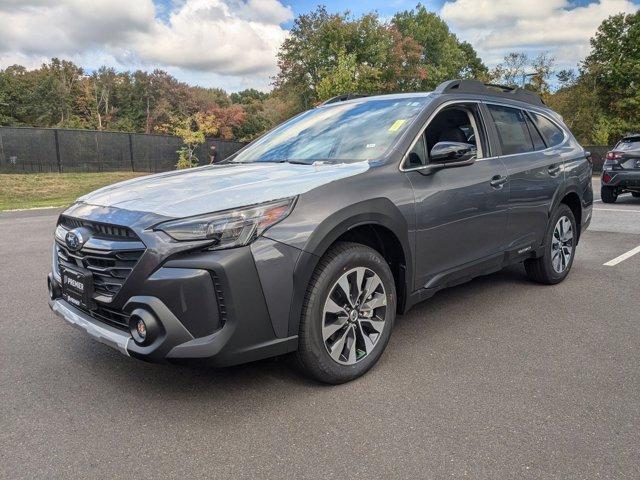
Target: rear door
[(535, 171)]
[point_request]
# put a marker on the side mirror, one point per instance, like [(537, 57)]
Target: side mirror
[(452, 153)]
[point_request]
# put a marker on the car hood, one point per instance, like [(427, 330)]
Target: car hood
[(196, 191)]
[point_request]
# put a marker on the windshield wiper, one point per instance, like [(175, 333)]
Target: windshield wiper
[(295, 162)]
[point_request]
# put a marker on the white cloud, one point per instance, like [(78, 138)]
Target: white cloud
[(233, 40), (210, 35), (495, 27), (36, 27)]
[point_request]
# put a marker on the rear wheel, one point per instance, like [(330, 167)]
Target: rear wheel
[(608, 195), (348, 314), (560, 245)]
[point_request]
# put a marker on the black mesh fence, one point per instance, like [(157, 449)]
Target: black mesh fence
[(24, 149)]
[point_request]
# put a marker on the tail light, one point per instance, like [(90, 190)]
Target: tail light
[(611, 161), (606, 177)]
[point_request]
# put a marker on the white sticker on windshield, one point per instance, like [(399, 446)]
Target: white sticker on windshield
[(371, 145)]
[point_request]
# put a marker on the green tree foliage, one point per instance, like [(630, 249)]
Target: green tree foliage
[(601, 103), (442, 55), (60, 94), (328, 54)]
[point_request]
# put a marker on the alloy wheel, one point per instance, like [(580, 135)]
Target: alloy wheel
[(354, 315), (562, 244)]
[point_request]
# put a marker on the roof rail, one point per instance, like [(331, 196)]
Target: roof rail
[(502, 91), (343, 98)]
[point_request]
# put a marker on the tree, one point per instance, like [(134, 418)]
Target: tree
[(104, 83), (512, 70), (16, 86), (330, 54), (347, 76), (613, 67), (601, 102), (317, 41), (442, 55), (520, 70), (193, 131)]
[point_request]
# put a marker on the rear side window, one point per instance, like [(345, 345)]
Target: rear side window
[(550, 132), (512, 129)]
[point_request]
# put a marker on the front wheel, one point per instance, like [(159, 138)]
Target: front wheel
[(560, 246), (608, 195), (348, 314)]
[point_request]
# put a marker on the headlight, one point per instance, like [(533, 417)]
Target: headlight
[(231, 228)]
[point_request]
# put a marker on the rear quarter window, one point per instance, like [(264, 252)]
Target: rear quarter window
[(551, 133)]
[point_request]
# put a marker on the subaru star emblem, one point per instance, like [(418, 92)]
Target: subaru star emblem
[(76, 238)]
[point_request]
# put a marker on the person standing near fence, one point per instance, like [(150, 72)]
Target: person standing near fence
[(213, 155)]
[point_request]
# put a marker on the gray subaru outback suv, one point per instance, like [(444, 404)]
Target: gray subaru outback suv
[(315, 236)]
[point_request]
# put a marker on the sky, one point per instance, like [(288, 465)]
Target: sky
[(232, 44)]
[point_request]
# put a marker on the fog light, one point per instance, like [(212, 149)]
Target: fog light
[(144, 327), (141, 328), (138, 329)]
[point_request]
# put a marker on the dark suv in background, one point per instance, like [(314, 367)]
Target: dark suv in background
[(312, 238), (621, 170)]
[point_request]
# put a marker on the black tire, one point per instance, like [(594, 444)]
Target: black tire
[(541, 269), (312, 356), (635, 194), (608, 195)]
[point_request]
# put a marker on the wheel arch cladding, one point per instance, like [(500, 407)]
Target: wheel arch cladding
[(376, 223), (572, 200)]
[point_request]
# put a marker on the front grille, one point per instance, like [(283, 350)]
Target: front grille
[(111, 259), (110, 269), (103, 230)]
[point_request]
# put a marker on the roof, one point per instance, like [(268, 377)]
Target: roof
[(451, 87), (491, 90)]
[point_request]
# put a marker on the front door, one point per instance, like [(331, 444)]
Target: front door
[(461, 213)]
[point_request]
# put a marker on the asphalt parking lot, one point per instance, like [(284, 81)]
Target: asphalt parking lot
[(498, 378)]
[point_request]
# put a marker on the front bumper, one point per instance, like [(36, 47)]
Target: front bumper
[(98, 331), (209, 306)]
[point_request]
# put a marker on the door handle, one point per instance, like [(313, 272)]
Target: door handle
[(498, 181), (554, 170)]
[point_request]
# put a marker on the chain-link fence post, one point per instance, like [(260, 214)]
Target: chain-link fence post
[(57, 142)]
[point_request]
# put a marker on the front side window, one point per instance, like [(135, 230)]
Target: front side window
[(551, 133), (513, 133), (337, 133)]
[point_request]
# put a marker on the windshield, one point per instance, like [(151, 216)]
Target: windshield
[(342, 132), (628, 144)]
